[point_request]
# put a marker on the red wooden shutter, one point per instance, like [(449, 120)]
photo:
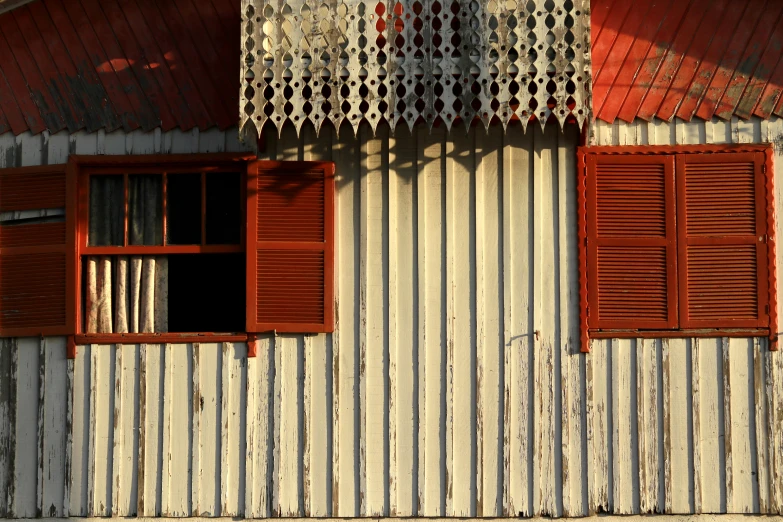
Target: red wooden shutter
[(722, 236), (631, 242), (290, 247), (37, 260)]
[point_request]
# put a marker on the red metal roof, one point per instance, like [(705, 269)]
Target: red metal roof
[(110, 64), (687, 58)]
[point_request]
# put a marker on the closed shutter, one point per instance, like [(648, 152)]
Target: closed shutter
[(631, 242), (37, 256), (290, 247), (723, 240)]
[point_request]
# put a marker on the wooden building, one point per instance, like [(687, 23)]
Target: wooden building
[(415, 258)]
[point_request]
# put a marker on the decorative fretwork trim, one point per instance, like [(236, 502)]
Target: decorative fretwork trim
[(414, 61)]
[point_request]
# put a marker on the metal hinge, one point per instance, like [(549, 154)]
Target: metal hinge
[(763, 168), (588, 311)]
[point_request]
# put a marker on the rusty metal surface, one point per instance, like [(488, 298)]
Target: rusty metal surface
[(413, 61), (118, 64), (687, 59)]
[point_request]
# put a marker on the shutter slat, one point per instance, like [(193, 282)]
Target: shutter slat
[(631, 256), (290, 247), (37, 270), (721, 199)]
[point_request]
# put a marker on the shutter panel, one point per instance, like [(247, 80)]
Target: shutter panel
[(631, 242), (290, 247), (37, 259), (722, 236)]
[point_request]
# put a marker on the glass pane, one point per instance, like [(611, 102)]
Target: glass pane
[(107, 211), (224, 208), (145, 209), (183, 209)]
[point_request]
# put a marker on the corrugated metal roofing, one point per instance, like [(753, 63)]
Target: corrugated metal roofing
[(110, 64), (687, 58)]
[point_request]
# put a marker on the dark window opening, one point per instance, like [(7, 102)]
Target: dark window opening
[(183, 209), (207, 293), (224, 208)]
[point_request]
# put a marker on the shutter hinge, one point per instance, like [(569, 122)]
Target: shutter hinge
[(763, 168), (588, 311)]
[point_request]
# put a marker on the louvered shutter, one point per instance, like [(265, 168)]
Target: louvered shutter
[(722, 236), (290, 247), (37, 259), (631, 242)]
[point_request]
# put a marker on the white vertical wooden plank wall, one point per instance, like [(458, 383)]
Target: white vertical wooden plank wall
[(452, 386)]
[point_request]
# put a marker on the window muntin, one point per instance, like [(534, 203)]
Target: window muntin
[(134, 211)]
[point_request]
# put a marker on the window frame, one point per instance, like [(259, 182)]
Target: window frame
[(82, 167), (765, 192)]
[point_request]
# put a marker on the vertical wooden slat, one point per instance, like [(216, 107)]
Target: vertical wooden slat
[(7, 412), (517, 221), (373, 326), (696, 425), (598, 409), (345, 487), (40, 426), (318, 426), (288, 373), (679, 426), (647, 415), (545, 479), (103, 370), (489, 305), (403, 334), (68, 436), (232, 446), (707, 369), (775, 430), (572, 437), (177, 482), (623, 461), (22, 495), (124, 452), (461, 320), (80, 433), (431, 322), (740, 440), (258, 488), (760, 354)]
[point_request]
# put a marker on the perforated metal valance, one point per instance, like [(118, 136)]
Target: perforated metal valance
[(413, 61)]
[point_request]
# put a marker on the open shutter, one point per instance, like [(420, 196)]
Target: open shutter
[(631, 242), (37, 254), (723, 240), (290, 247)]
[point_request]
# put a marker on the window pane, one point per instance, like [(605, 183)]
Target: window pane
[(145, 219), (183, 209), (107, 211), (224, 212)]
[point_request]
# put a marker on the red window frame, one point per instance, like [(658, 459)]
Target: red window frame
[(765, 326), (82, 167)]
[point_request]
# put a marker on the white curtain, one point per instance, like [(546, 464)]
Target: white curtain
[(126, 294)]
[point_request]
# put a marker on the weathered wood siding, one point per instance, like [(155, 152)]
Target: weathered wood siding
[(453, 385)]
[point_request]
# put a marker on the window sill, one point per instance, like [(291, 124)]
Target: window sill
[(160, 338), (697, 332)]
